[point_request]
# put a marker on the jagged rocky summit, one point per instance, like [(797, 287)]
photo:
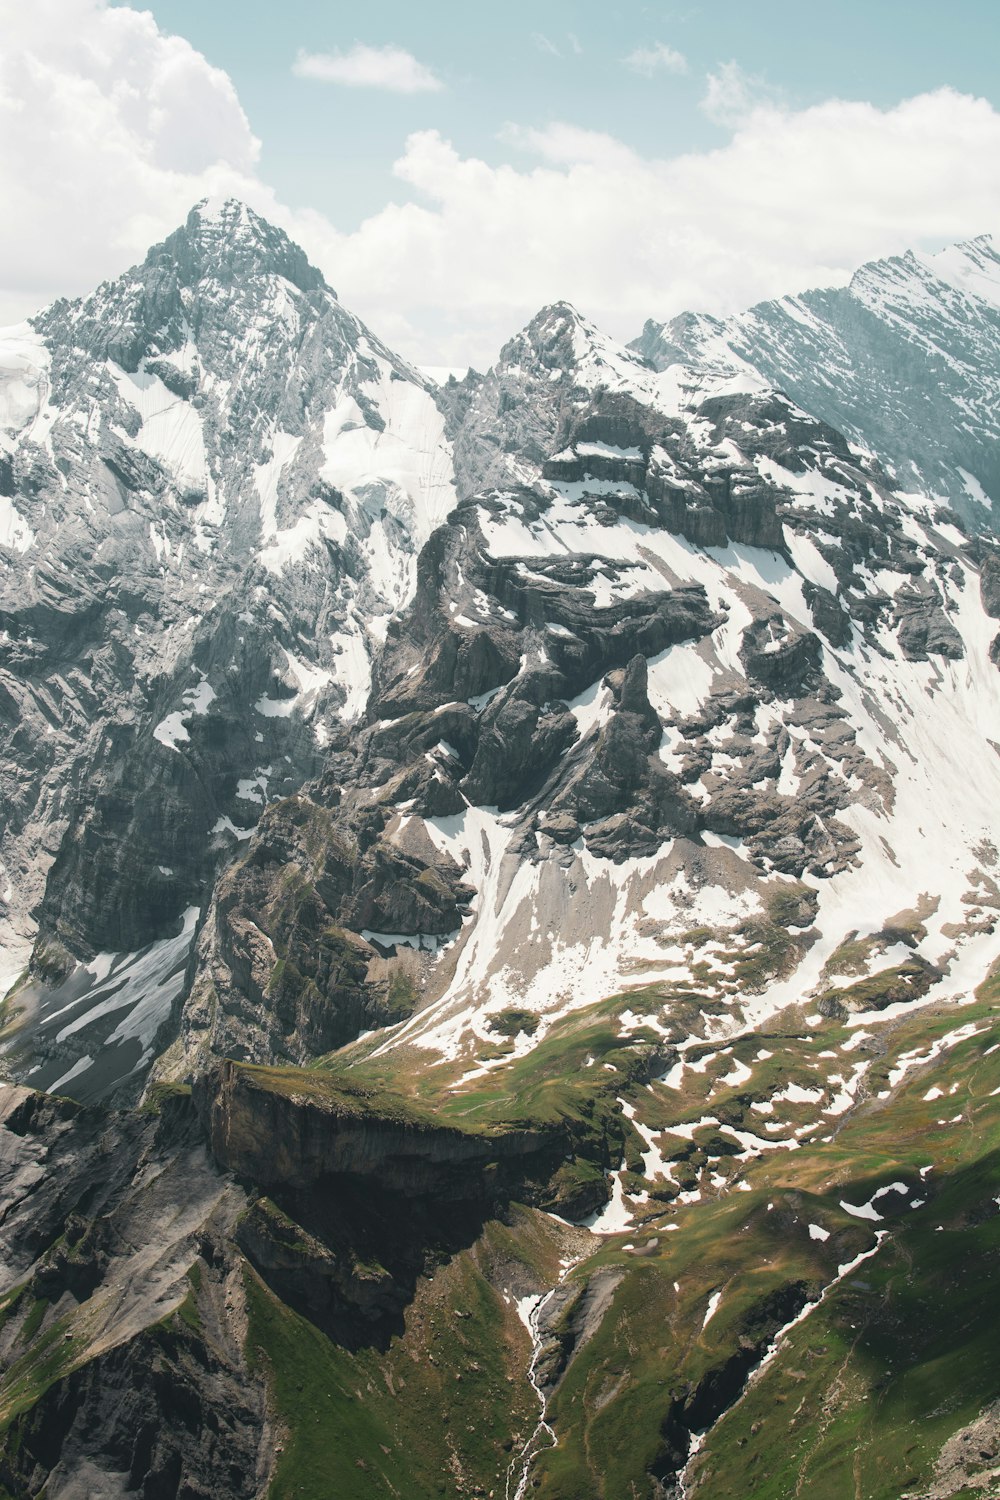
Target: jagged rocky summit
[(215, 486), (451, 826)]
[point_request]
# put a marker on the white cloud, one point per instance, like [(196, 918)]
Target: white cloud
[(731, 94), (793, 199), (563, 144), (655, 59), (544, 44), (109, 131), (388, 68)]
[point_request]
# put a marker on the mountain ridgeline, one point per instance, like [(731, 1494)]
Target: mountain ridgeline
[(903, 360), (498, 894)]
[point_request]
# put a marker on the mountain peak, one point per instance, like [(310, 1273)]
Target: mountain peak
[(224, 238), (971, 267), (555, 321), (559, 337), (230, 212), (903, 360)]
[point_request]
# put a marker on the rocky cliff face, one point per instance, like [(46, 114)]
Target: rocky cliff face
[(215, 486), (110, 1225), (903, 360)]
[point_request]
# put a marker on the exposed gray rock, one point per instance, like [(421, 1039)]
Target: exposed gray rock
[(103, 1219), (783, 659), (924, 628)]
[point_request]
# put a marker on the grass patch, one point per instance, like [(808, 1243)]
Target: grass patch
[(52, 1355), (335, 1441), (33, 1321), (897, 1357), (435, 1415), (513, 1022), (161, 1093)]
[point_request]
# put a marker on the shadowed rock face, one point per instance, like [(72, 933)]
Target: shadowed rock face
[(786, 661), (354, 1194), (697, 1408), (104, 1217), (280, 1132), (164, 1414), (136, 1255)]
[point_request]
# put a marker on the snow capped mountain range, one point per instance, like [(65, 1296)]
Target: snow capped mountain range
[(678, 646), (480, 824)]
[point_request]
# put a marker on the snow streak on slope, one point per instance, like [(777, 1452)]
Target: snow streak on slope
[(171, 430), (97, 1029)]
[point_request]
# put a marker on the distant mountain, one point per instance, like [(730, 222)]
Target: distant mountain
[(904, 361), (506, 873)]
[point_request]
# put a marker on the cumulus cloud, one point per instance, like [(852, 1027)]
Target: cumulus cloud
[(793, 199), (731, 94), (109, 131), (658, 58), (389, 68), (560, 143)]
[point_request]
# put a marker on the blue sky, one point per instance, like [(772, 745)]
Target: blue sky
[(452, 168), (332, 148)]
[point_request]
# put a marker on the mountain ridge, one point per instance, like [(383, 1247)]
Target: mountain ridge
[(897, 360)]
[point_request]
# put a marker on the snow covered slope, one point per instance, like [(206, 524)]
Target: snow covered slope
[(672, 718), (904, 361)]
